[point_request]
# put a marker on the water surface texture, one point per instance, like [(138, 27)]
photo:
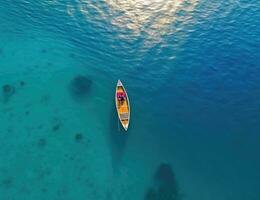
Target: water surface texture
[(192, 72)]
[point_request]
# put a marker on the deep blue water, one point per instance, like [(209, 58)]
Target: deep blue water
[(192, 72)]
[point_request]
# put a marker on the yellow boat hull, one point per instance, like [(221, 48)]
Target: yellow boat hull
[(122, 107)]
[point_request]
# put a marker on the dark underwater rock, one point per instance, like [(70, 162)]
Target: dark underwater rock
[(167, 192), (7, 182), (165, 186), (78, 137), (22, 83), (56, 127), (164, 174), (80, 86), (7, 91)]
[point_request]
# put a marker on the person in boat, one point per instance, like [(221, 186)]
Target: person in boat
[(121, 97)]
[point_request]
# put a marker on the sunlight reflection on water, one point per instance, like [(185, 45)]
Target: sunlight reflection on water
[(152, 19)]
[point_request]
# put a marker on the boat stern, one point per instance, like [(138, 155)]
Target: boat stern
[(126, 127)]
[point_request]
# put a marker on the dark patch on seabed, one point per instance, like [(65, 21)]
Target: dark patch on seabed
[(7, 92), (164, 186), (7, 182), (79, 87), (43, 51), (56, 127), (22, 83), (56, 124), (78, 137), (42, 143)]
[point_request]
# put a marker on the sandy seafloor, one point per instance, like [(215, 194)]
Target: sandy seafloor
[(193, 79)]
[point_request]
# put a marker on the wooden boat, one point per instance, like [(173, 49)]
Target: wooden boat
[(122, 105)]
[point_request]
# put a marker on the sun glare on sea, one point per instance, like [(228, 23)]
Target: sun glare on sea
[(151, 19)]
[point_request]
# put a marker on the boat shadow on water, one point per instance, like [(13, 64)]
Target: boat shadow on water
[(117, 137)]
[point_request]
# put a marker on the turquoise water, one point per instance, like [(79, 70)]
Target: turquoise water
[(192, 72)]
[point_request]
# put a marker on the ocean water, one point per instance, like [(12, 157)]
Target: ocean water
[(192, 72)]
